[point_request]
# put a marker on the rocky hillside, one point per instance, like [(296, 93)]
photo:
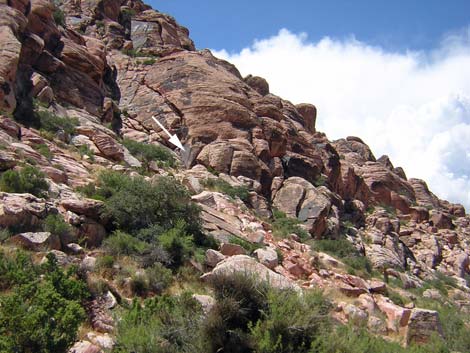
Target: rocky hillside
[(89, 177)]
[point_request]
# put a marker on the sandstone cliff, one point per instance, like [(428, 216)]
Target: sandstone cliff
[(111, 65)]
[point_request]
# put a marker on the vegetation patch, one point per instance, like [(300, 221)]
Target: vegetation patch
[(347, 253), (220, 185), (27, 180), (147, 153), (44, 150), (55, 224), (283, 226), (52, 123), (41, 309)]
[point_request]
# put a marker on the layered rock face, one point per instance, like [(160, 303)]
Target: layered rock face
[(112, 65)]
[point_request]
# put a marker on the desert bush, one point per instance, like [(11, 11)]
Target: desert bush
[(162, 324), (53, 123), (177, 243), (240, 302), (291, 323), (454, 323), (135, 204), (357, 340), (150, 61), (147, 153), (283, 226), (55, 224), (159, 278), (139, 284), (40, 314), (248, 246), (84, 150), (105, 262), (120, 243), (340, 248), (16, 269), (58, 14), (27, 180), (5, 234), (44, 150), (346, 252), (220, 185)]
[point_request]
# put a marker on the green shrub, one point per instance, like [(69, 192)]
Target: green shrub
[(16, 269), (291, 323), (149, 61), (90, 190), (135, 53), (249, 247), (220, 185), (147, 153), (241, 299), (178, 243), (162, 324), (5, 234), (105, 262), (321, 180), (283, 226), (396, 298), (135, 204), (159, 278), (357, 340), (120, 243), (55, 224), (45, 151), (454, 323), (28, 180), (340, 248), (41, 315), (359, 263), (139, 284), (52, 123), (84, 150)]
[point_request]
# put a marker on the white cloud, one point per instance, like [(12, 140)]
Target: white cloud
[(413, 106)]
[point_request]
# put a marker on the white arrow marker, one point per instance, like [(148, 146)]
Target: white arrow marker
[(173, 139)]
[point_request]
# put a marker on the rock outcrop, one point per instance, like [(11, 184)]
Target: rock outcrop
[(109, 67)]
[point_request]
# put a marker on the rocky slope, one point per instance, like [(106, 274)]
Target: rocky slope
[(112, 65)]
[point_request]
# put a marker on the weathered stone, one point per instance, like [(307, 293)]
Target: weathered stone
[(268, 257), (207, 302), (309, 113), (246, 265), (39, 241), (85, 347), (213, 257), (397, 317), (88, 263), (441, 220), (422, 325), (87, 207), (259, 84), (228, 249)]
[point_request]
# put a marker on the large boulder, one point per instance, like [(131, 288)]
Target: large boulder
[(298, 198), (246, 265), (259, 84), (39, 241), (309, 113), (24, 209), (422, 325), (87, 207)]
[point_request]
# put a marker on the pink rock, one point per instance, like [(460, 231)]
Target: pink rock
[(228, 249), (397, 317)]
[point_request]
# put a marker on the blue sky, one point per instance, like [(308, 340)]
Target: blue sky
[(395, 25), (395, 73)]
